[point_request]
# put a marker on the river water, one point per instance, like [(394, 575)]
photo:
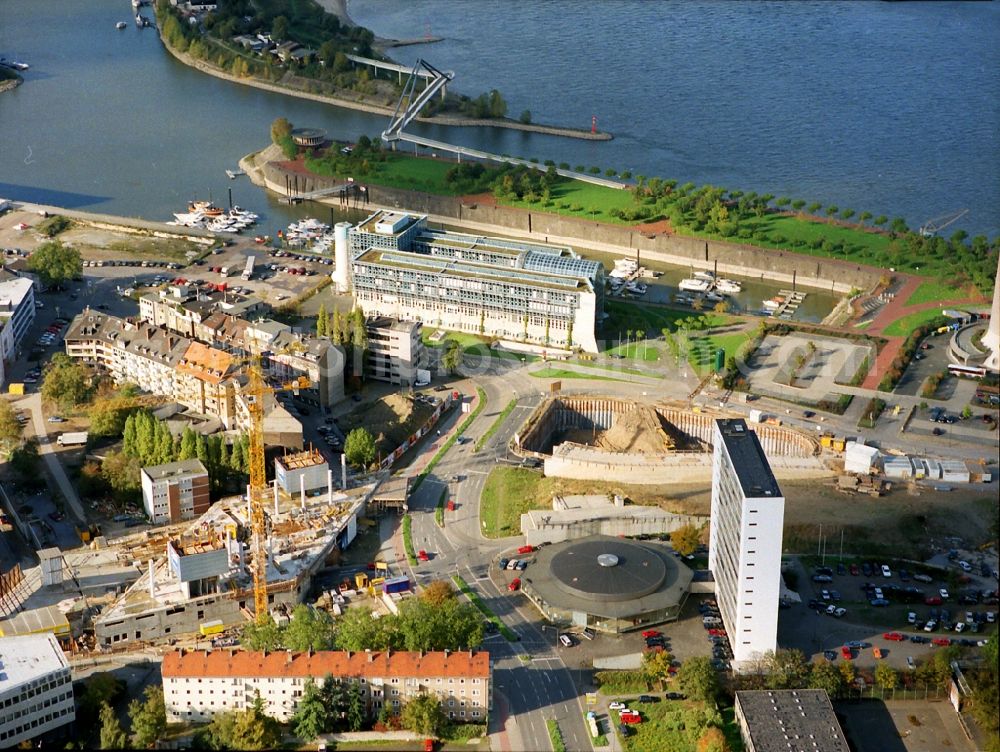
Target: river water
[(881, 106)]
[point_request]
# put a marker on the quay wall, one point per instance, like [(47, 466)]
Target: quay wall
[(732, 258)]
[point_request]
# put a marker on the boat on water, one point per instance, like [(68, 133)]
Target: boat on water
[(728, 286), (120, 25), (714, 297), (773, 304), (16, 65), (205, 207), (694, 284), (707, 276)]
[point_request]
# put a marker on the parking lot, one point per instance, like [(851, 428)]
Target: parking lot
[(896, 623)]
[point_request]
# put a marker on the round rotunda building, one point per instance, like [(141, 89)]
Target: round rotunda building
[(608, 584)]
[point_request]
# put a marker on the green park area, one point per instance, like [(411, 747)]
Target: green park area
[(564, 373), (509, 492), (649, 320), (637, 350), (933, 292), (903, 326), (680, 726), (702, 348)]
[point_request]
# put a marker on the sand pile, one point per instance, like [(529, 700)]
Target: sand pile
[(638, 430), (391, 419)]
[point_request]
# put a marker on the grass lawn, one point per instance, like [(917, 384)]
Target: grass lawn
[(575, 198), (702, 354), (902, 327), (677, 726), (562, 373), (929, 292), (509, 492), (464, 340), (637, 351), (653, 319), (615, 369)]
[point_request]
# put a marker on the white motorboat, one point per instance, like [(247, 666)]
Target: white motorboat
[(120, 25), (773, 304), (637, 288), (728, 286), (707, 276), (693, 284)]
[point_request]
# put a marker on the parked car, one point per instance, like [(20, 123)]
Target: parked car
[(893, 637), (566, 640), (515, 584), (886, 572), (652, 633), (504, 563), (846, 653), (944, 593), (423, 555), (617, 705)]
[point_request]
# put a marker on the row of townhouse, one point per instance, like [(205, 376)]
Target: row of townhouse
[(197, 684), (227, 322)]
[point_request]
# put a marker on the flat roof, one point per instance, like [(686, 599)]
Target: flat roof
[(577, 575), (299, 460), (748, 459), (28, 657), (178, 469), (790, 720)]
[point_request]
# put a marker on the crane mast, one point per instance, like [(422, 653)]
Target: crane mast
[(257, 390)]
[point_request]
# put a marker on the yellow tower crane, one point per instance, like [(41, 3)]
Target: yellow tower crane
[(257, 391)]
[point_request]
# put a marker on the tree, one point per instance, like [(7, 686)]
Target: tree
[(832, 209), (685, 539), (263, 636), (424, 715), (249, 729), (113, 736), (279, 29), (451, 359), (865, 216), (797, 204), (525, 117), (55, 263), (886, 676), (656, 666), (787, 669), (336, 327), (357, 630), (450, 625), (322, 320), (847, 673), (122, 474), (148, 718), (437, 592), (824, 675), (697, 679), (967, 412), (100, 688), (309, 629), (189, 444), (814, 207), (355, 707), (880, 220), (712, 740), (108, 415), (66, 382), (359, 448), (11, 429), (312, 714), (847, 213), (24, 461)]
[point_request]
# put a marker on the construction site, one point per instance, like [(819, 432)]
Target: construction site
[(204, 573), (607, 438)]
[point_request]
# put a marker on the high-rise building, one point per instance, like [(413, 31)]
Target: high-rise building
[(395, 350), (36, 689), (744, 555), (992, 337)]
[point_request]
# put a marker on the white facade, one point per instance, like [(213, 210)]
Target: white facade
[(748, 513), (17, 312), (175, 491), (395, 350), (199, 684), (991, 340), (36, 690), (510, 289)]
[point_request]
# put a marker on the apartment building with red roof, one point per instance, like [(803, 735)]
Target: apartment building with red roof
[(197, 684)]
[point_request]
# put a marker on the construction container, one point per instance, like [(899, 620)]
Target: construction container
[(396, 585), (839, 445), (826, 440), (361, 580)]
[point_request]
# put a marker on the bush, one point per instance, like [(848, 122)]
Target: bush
[(872, 412)]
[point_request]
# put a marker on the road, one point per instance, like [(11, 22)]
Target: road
[(33, 402)]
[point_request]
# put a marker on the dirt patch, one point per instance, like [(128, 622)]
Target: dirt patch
[(660, 227), (391, 419), (637, 431), (900, 523)]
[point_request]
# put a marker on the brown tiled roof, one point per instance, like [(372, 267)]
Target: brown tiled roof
[(205, 363), (235, 663)]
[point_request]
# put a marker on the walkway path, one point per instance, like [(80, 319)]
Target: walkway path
[(34, 403)]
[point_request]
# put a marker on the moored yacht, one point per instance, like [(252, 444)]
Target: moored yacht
[(694, 284)]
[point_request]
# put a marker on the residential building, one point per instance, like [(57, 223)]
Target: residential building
[(541, 294), (197, 684), (183, 308), (17, 312), (175, 491), (36, 689), (395, 350), (745, 541), (789, 720), (302, 471)]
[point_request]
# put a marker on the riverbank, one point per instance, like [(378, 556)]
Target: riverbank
[(267, 169), (377, 109), (9, 84)]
